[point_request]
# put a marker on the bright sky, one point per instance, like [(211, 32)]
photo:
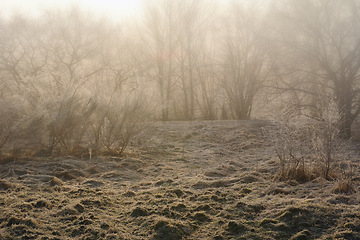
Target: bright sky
[(114, 9)]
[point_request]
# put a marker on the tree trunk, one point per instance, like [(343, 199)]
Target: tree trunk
[(345, 128), (343, 94)]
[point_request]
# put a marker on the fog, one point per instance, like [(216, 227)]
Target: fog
[(115, 10), (74, 63), (179, 119)]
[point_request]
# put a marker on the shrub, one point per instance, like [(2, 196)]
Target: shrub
[(293, 149), (8, 121), (306, 148), (114, 126), (73, 124), (326, 142), (19, 130), (68, 122), (344, 187)]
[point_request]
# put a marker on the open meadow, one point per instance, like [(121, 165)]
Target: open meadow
[(178, 180)]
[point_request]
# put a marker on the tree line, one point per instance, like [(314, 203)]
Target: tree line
[(69, 80)]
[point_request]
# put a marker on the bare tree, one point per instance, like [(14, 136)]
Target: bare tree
[(208, 92), (53, 71), (194, 20), (244, 67), (73, 45), (20, 66), (161, 23), (320, 41)]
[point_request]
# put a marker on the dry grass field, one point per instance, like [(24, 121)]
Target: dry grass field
[(179, 180)]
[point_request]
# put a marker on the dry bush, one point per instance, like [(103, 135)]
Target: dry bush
[(74, 124), (293, 149), (326, 142), (85, 127), (114, 126), (307, 148), (8, 120), (308, 145), (344, 187), (19, 130), (347, 174), (69, 120)]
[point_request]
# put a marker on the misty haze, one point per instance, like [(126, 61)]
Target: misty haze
[(179, 119)]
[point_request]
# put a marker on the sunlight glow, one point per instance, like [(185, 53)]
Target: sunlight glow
[(116, 10)]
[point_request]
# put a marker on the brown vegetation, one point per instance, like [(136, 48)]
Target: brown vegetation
[(183, 180)]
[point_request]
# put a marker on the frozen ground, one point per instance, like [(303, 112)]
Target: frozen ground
[(180, 180)]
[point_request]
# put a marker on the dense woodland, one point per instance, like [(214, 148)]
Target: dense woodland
[(72, 82)]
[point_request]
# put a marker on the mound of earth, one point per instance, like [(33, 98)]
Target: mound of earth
[(179, 180)]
